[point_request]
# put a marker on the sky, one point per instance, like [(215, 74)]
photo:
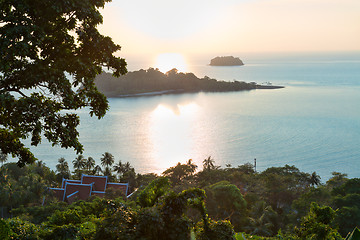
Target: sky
[(144, 27)]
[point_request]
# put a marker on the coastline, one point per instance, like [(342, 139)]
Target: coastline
[(179, 91), (268, 87), (152, 82), (155, 93)]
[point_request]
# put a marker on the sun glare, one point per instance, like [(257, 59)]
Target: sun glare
[(170, 133), (167, 61)]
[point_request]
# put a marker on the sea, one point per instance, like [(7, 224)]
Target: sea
[(313, 123)]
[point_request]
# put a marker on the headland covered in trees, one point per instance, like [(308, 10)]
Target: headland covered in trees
[(154, 82), (226, 61)]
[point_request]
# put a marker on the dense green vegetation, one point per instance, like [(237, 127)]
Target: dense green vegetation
[(181, 203), (152, 80)]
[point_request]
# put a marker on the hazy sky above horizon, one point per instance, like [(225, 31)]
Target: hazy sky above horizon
[(232, 26)]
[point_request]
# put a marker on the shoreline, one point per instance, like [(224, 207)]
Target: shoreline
[(155, 93), (179, 91), (268, 87)]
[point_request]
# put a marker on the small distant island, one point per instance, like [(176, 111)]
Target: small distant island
[(226, 61), (153, 82)]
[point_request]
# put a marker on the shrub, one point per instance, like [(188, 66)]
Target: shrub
[(4, 230), (217, 230), (23, 230)]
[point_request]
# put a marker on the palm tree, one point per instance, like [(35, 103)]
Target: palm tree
[(108, 172), (63, 168), (3, 158), (79, 162), (208, 164), (119, 168), (128, 167), (228, 165), (107, 160), (79, 165), (97, 170), (192, 166), (261, 219), (39, 167), (314, 179), (90, 163), (128, 176), (259, 226)]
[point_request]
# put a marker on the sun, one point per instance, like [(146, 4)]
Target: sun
[(167, 61)]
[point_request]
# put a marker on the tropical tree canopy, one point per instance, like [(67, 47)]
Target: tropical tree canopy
[(79, 162), (62, 168), (3, 157), (180, 171), (107, 160), (51, 53), (90, 163), (209, 164)]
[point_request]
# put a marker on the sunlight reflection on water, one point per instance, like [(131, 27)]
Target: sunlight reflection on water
[(315, 128), (170, 132)]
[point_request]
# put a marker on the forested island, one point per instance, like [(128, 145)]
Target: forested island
[(226, 61), (154, 82), (186, 201)]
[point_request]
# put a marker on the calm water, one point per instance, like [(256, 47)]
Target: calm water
[(313, 123)]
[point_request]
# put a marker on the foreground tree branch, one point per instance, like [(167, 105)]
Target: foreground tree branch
[(42, 43)]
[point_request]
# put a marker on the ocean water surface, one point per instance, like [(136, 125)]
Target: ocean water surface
[(313, 123)]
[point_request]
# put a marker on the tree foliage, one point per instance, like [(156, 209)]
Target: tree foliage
[(150, 195), (355, 234), (218, 230), (107, 159), (152, 80), (225, 199), (62, 168), (236, 198), (347, 200), (316, 225), (4, 230), (262, 220), (180, 172), (24, 186), (51, 53), (23, 230), (3, 157)]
